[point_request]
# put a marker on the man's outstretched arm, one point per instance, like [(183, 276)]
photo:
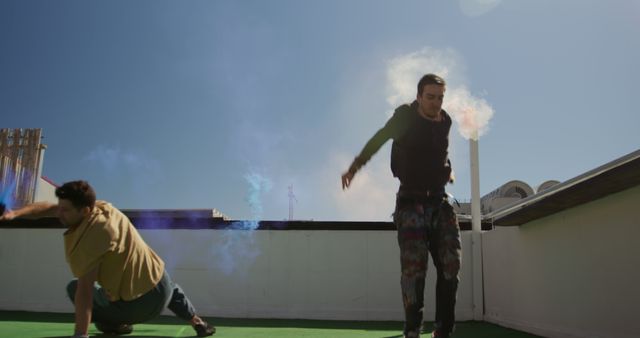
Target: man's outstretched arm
[(34, 210), (394, 127), (374, 144)]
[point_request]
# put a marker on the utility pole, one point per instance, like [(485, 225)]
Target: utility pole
[(476, 233)]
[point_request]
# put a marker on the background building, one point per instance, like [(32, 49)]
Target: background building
[(506, 194), (21, 160)]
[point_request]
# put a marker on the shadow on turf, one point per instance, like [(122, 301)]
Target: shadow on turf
[(134, 336), (25, 316), (112, 336)]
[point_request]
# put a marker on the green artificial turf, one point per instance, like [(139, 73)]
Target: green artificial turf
[(55, 325)]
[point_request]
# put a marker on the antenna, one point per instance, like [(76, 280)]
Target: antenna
[(292, 198)]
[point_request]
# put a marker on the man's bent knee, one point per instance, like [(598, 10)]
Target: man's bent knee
[(451, 268)]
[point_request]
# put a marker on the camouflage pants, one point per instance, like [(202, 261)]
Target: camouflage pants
[(424, 227)]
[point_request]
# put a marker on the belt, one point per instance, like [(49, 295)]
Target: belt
[(423, 195)]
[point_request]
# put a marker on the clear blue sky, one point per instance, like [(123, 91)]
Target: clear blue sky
[(175, 104)]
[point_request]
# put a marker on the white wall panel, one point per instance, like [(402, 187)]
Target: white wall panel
[(571, 274), (311, 274)]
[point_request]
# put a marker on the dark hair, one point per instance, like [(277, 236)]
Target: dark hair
[(430, 79), (79, 193)]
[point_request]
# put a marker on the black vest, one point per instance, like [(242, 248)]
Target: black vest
[(419, 154)]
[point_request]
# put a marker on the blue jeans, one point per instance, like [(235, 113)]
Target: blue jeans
[(142, 309)]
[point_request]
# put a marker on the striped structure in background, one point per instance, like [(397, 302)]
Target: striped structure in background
[(20, 163)]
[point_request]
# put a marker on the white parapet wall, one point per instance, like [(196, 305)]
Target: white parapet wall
[(311, 274), (575, 273)]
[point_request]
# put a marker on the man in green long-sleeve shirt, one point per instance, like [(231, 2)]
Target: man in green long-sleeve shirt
[(423, 216)]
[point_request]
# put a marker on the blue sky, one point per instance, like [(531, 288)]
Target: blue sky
[(224, 104)]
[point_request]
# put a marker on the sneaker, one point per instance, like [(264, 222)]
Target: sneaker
[(436, 334), (114, 328), (204, 330), (412, 335)]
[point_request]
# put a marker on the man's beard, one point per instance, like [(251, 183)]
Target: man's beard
[(71, 225)]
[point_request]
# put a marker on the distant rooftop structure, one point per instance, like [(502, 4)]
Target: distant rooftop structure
[(612, 177), (516, 201), (506, 194)]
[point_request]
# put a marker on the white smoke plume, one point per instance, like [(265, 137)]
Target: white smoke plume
[(405, 71), (371, 194), (471, 114)]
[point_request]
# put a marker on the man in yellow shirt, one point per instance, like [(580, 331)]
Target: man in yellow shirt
[(101, 245)]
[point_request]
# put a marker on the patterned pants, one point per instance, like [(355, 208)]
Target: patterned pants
[(428, 226)]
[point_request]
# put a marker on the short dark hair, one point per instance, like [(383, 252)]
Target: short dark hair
[(79, 193), (430, 79)]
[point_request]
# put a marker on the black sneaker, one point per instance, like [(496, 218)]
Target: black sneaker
[(204, 330), (118, 329)]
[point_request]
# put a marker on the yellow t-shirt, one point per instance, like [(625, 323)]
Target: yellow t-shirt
[(127, 266)]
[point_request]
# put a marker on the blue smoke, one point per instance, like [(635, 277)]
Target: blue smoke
[(7, 192), (238, 245), (258, 185), (160, 221)]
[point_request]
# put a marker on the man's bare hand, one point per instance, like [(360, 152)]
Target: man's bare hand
[(346, 179), (8, 215)]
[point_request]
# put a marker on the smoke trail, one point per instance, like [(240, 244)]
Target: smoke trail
[(128, 170), (258, 185), (106, 157), (477, 7), (471, 114), (239, 247), (114, 160)]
